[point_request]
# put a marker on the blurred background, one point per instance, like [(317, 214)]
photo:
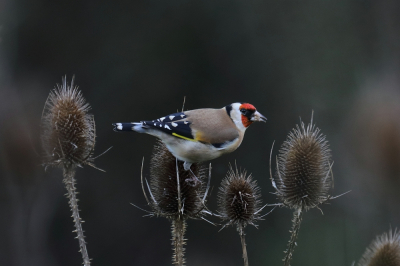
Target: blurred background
[(136, 60)]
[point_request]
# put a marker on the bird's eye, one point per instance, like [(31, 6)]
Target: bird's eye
[(243, 111)]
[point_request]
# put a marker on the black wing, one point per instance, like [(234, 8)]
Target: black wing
[(173, 124)]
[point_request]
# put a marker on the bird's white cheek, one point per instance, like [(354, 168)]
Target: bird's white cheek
[(240, 126)]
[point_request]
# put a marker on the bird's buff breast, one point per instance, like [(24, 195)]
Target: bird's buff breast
[(193, 151)]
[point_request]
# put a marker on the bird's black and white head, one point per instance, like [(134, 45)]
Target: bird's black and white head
[(244, 114)]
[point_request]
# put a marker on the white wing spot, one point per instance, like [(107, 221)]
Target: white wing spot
[(171, 117), (182, 116), (160, 125), (174, 124), (119, 126), (166, 126), (185, 122), (155, 124), (162, 118)]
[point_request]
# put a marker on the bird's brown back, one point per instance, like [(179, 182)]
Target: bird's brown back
[(212, 125)]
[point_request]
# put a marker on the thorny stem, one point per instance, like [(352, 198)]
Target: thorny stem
[(69, 181), (242, 239), (297, 217), (178, 232), (178, 228)]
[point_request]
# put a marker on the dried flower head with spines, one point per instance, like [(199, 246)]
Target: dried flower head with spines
[(174, 196), (303, 176), (164, 186), (239, 203), (68, 136), (239, 199), (383, 251), (304, 169)]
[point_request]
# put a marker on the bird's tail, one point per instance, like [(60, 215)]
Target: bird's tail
[(138, 127)]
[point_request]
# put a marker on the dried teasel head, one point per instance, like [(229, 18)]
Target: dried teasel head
[(168, 198), (303, 174), (68, 131), (383, 251), (239, 199)]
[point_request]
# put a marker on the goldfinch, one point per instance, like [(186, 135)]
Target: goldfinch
[(202, 134)]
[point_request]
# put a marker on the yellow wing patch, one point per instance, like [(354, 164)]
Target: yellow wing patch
[(200, 137), (182, 137)]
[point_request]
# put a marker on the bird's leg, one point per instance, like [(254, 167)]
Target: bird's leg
[(187, 165), (194, 179)]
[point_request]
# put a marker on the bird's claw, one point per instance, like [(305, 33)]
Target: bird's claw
[(194, 181)]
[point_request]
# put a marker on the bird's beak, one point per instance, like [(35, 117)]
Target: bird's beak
[(258, 117)]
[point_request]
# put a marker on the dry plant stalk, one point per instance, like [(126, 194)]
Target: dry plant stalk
[(68, 140), (173, 197), (178, 240), (244, 249), (69, 182), (303, 176), (383, 251), (239, 203)]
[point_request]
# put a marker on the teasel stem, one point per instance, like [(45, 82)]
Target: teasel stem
[(242, 239), (178, 240), (178, 226), (69, 181), (297, 218)]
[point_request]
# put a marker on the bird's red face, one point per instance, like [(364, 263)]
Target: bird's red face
[(249, 114), (247, 110), (243, 114)]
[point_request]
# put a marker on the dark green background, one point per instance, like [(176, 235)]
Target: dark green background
[(136, 60)]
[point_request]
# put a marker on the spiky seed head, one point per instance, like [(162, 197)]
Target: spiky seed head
[(68, 131), (164, 186), (303, 174), (383, 251), (239, 198)]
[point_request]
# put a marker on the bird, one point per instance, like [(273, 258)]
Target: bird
[(202, 134)]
